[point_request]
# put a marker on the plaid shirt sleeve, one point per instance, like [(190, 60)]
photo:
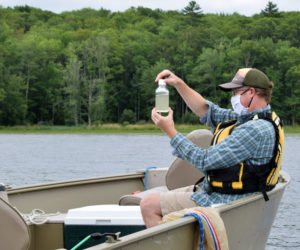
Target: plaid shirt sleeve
[(215, 115), (252, 142)]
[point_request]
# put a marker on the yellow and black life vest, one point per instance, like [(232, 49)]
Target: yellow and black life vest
[(243, 178)]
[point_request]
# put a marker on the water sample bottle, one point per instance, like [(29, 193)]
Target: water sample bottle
[(162, 97)]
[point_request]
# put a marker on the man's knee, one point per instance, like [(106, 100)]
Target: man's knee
[(150, 208), (150, 204)]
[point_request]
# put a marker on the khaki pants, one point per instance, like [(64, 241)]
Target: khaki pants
[(177, 199)]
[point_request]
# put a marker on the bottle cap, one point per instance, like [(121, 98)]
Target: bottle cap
[(161, 82)]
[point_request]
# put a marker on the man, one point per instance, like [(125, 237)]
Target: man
[(243, 143)]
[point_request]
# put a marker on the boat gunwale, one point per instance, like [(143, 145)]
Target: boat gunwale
[(138, 175), (61, 184)]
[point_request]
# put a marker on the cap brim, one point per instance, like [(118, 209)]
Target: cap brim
[(229, 86)]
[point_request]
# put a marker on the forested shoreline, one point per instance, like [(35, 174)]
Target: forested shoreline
[(90, 67)]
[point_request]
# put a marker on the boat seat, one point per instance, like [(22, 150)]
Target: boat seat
[(14, 232), (180, 173)]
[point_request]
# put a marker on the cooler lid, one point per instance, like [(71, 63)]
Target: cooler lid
[(105, 215)]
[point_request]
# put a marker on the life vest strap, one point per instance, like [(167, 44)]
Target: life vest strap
[(196, 184)]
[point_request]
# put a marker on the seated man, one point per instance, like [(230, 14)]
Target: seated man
[(243, 152)]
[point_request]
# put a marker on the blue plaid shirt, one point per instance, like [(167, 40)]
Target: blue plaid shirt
[(252, 142)]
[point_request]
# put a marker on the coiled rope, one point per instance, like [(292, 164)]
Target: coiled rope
[(200, 227), (38, 216), (199, 216)]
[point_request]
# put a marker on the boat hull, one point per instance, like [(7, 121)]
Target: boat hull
[(247, 221)]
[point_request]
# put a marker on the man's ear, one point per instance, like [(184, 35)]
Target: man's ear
[(253, 91)]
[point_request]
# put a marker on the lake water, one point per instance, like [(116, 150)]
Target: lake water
[(32, 159)]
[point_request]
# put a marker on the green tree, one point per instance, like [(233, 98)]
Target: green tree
[(128, 116), (115, 89), (95, 68), (47, 87), (270, 10), (293, 100), (12, 101), (262, 28), (288, 63), (72, 89), (208, 72), (28, 64), (193, 11)]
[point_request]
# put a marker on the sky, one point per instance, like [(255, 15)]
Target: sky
[(243, 7)]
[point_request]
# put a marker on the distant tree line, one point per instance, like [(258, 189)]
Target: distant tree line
[(97, 66)]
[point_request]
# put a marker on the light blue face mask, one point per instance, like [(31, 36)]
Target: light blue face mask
[(237, 106)]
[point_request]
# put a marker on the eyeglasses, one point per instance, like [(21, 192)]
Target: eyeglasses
[(235, 91)]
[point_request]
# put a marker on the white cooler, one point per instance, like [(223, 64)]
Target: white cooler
[(81, 222)]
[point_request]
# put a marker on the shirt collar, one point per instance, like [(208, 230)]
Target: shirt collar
[(245, 117)]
